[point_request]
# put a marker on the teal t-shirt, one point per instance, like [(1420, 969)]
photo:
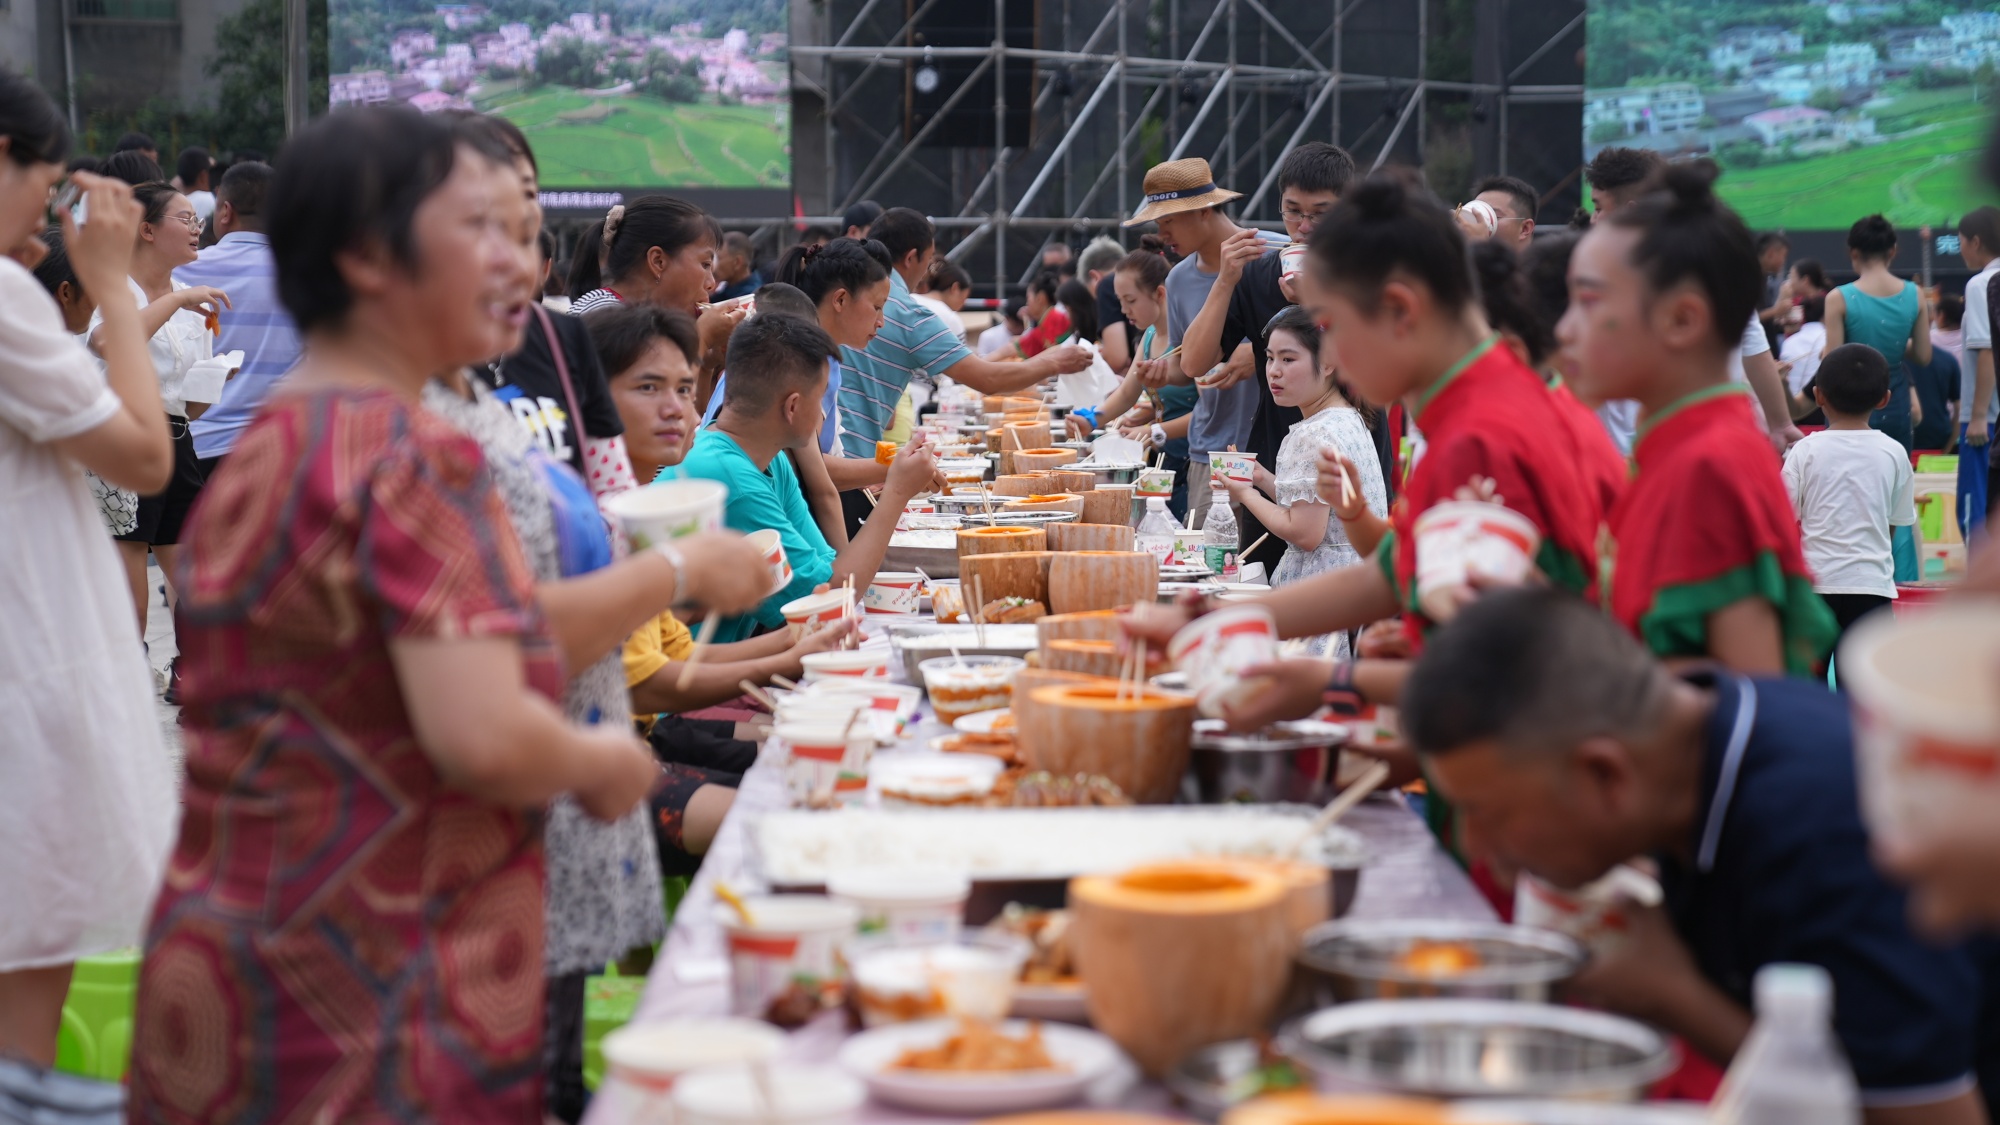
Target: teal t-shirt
[(759, 499)]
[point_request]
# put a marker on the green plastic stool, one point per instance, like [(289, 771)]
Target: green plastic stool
[(96, 1036), (1937, 462), (610, 1000)]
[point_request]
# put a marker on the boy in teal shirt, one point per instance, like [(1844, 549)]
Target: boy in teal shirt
[(770, 405)]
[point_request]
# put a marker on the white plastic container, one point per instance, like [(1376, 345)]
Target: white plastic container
[(908, 907), (669, 510), (1599, 916), (853, 663), (966, 687), (1926, 719), (645, 1060), (894, 592), (797, 1095), (970, 976), (1459, 541), (890, 706), (792, 947), (1215, 648)]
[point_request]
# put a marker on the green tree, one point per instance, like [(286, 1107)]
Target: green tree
[(250, 64), (1826, 98), (1604, 132), (570, 62)]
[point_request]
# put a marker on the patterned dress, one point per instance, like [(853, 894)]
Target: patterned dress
[(1297, 481), (604, 879), (341, 935)]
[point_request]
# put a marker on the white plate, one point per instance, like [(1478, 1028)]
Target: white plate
[(981, 722), (1084, 1057), (1066, 1003)]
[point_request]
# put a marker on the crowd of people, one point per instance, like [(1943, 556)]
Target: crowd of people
[(443, 743)]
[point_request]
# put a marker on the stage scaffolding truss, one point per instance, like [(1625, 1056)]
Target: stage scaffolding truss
[(1118, 85)]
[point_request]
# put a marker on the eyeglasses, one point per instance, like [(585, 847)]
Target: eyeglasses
[(194, 222), (1293, 214)]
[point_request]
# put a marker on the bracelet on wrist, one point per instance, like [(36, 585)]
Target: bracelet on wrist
[(1340, 695), (678, 561)]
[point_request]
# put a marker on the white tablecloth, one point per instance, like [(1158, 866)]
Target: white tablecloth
[(1407, 876)]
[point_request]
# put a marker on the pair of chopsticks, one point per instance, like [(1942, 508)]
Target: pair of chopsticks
[(1132, 674)]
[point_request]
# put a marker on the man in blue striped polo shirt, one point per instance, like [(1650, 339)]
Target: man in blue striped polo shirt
[(240, 264), (915, 343)]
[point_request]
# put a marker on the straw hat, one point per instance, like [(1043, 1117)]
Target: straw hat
[(1180, 185)]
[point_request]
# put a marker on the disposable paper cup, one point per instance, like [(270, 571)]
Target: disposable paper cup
[(650, 1057), (1462, 540), (965, 687), (1292, 261), (772, 546), (1232, 466), (1155, 482), (972, 977), (1188, 548), (1599, 915), (815, 610), (818, 708), (893, 592), (855, 662), (829, 760), (799, 1095), (669, 510), (908, 907), (788, 959), (1215, 648), (1926, 719), (890, 706)]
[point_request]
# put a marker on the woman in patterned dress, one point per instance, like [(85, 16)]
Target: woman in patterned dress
[(604, 887), (351, 926), (1288, 502)]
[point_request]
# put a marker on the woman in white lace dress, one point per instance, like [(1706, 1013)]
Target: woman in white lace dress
[(1288, 502)]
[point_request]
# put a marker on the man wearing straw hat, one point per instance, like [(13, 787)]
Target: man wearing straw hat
[(1184, 201)]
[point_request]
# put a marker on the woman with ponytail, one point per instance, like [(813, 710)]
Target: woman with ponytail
[(657, 250), (1708, 559), (1389, 278)]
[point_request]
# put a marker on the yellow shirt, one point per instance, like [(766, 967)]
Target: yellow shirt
[(665, 638)]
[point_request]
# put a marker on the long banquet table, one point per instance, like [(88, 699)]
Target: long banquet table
[(1406, 876)]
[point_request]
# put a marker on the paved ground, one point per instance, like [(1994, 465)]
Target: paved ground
[(160, 649)]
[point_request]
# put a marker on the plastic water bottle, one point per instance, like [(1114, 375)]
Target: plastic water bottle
[(1156, 531), (1219, 538), (1791, 1070)]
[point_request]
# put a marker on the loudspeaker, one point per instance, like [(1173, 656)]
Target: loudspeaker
[(929, 83)]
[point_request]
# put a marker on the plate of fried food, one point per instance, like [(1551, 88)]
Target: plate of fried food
[(974, 1067)]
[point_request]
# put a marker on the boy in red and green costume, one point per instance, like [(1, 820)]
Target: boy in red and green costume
[(1705, 524)]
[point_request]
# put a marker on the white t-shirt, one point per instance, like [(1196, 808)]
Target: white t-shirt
[(995, 338), (87, 796), (204, 204), (1754, 343), (1621, 420), (181, 342), (1849, 487), (1978, 336), (1802, 350), (943, 311)]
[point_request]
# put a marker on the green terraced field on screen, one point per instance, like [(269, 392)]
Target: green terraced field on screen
[(583, 141), (1928, 175)]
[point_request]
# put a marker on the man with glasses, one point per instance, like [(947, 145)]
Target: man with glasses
[(241, 265), (1515, 202), (1251, 289)]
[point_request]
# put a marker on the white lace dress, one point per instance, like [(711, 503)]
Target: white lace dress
[(604, 893), (1296, 482)]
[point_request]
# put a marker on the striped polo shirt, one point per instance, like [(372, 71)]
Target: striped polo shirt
[(240, 264), (913, 342)]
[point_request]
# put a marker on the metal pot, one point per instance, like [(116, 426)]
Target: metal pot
[(1017, 519), (1477, 1048), (1111, 472), (1285, 762), (1370, 960)]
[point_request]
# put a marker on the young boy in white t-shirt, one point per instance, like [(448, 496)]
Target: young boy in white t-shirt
[(1849, 485)]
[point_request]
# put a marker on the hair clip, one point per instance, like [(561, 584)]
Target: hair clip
[(812, 251), (613, 219)]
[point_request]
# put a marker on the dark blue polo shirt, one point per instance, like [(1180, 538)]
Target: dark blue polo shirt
[(1782, 873)]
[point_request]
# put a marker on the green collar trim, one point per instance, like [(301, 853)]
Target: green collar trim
[(1682, 404), (1456, 369)]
